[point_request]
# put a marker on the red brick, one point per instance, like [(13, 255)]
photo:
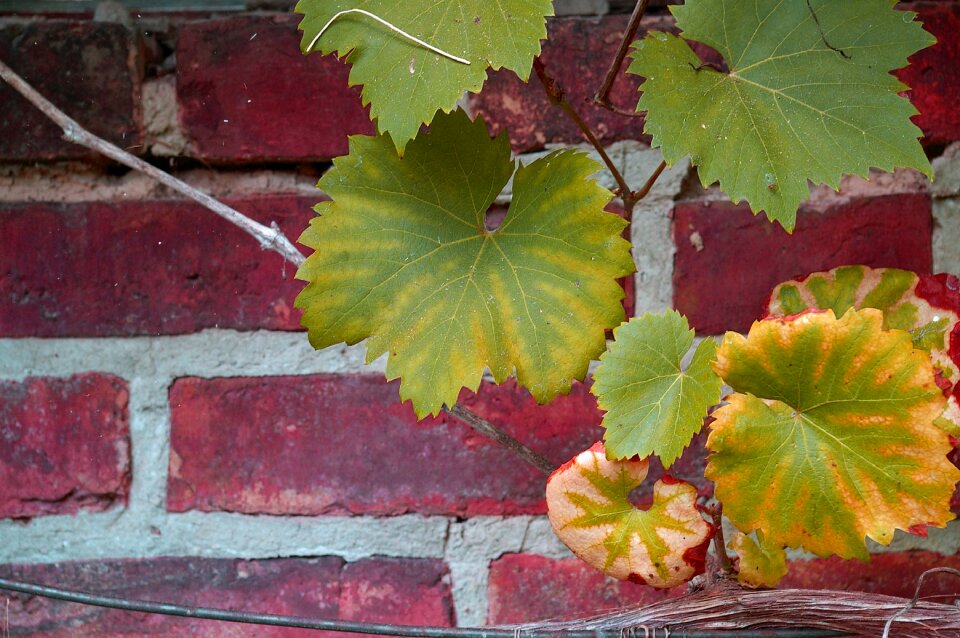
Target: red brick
[(247, 94), (893, 574), (526, 588), (159, 267), (934, 73), (66, 445), (321, 588), (89, 69), (344, 444), (728, 260)]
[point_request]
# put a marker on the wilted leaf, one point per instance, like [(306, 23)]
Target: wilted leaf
[(404, 82), (403, 257), (589, 509), (926, 306), (830, 436), (652, 406), (761, 564), (808, 95)]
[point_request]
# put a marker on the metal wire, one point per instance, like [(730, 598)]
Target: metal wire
[(382, 629)]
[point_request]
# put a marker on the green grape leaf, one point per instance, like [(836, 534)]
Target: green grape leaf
[(404, 82), (829, 437), (589, 508), (926, 306), (761, 564), (808, 95), (652, 406), (403, 258)]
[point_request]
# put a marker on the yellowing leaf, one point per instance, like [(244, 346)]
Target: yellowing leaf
[(589, 509), (652, 406), (830, 437), (926, 306), (403, 258), (761, 564), (808, 95), (403, 81)]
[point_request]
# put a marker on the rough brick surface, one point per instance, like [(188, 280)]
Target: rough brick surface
[(321, 588), (577, 54), (247, 94), (161, 267), (894, 574), (89, 69), (527, 588), (934, 73), (65, 445), (727, 260), (345, 444)]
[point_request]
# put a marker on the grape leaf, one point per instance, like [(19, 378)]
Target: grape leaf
[(808, 96), (829, 437), (404, 82), (761, 564), (926, 306), (589, 509), (652, 406), (403, 257)]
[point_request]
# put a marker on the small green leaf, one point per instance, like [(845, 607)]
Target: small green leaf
[(761, 564), (589, 508), (808, 96), (404, 82), (924, 305), (829, 437), (403, 258), (652, 406)]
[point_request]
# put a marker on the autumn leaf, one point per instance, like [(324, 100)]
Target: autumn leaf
[(926, 306), (590, 511), (652, 405), (829, 436), (761, 564), (404, 82), (403, 258), (808, 95)]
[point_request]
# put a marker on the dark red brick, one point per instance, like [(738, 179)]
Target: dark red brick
[(66, 445), (934, 73), (344, 444), (247, 94), (88, 69), (893, 574), (158, 267), (728, 260), (321, 588), (577, 54), (526, 588)]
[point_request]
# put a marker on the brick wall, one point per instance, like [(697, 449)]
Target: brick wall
[(168, 432)]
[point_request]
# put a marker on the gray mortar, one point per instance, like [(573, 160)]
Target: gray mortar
[(946, 211)]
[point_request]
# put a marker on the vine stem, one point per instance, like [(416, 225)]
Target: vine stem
[(719, 544), (485, 427), (269, 237), (602, 96)]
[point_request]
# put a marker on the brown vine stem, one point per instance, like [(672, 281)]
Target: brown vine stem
[(485, 427), (602, 96), (269, 237), (719, 544)]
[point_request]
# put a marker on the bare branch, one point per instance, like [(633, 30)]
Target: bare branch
[(269, 237), (491, 431), (603, 93)]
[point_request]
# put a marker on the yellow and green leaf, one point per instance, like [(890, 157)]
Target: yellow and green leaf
[(926, 306), (808, 95), (761, 564), (652, 405), (404, 82), (589, 508), (403, 259), (829, 438)]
